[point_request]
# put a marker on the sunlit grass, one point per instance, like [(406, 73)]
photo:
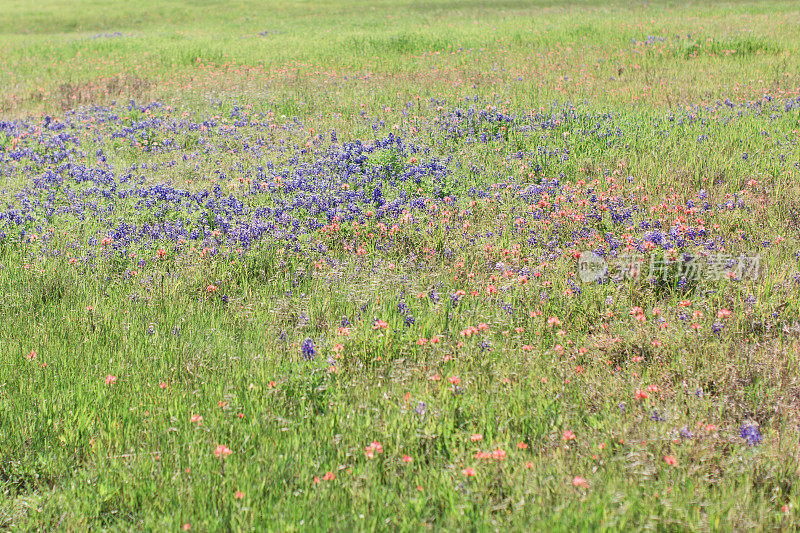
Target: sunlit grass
[(331, 281)]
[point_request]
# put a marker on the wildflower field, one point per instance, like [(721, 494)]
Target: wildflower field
[(403, 265)]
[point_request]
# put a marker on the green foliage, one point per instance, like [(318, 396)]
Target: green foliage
[(387, 161), (223, 333), (739, 47)]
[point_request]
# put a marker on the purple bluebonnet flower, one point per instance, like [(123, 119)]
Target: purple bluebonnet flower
[(308, 350), (750, 433), (402, 307)]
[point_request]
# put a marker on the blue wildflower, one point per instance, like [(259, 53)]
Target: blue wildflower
[(750, 433), (308, 350)]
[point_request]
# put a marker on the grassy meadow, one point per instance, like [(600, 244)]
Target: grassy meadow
[(294, 266)]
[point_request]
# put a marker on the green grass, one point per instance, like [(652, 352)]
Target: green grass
[(579, 51), (598, 92)]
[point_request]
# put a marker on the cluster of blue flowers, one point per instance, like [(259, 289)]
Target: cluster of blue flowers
[(244, 180), (750, 433)]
